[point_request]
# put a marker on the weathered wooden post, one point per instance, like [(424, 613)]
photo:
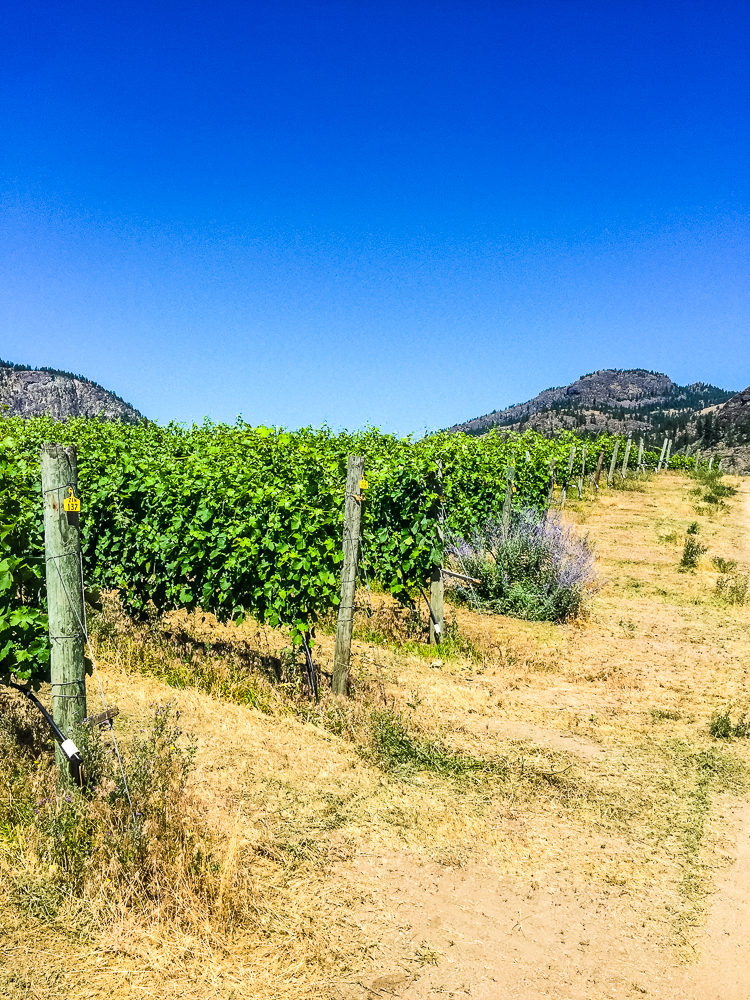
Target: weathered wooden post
[(62, 551), (599, 464), (628, 446), (661, 456), (551, 490), (710, 463), (345, 623), (613, 463), (437, 584), (583, 472), (510, 476), (668, 454), (568, 474), (640, 455)]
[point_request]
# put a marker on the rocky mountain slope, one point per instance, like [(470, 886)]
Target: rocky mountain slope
[(725, 430), (733, 419), (31, 392), (635, 401)]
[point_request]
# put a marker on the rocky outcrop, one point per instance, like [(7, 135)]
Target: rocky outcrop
[(732, 431), (31, 393), (734, 416)]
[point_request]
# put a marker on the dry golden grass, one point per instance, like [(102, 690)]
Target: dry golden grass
[(611, 793)]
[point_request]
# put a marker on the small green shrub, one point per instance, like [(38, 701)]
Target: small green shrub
[(24, 647), (693, 528), (691, 553), (721, 726), (724, 565), (96, 827)]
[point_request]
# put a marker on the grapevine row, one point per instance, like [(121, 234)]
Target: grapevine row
[(237, 519)]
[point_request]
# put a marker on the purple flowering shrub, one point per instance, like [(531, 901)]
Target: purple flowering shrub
[(539, 570)]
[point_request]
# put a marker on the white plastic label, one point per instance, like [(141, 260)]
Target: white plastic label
[(69, 748)]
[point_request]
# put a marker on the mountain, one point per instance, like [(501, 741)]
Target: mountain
[(633, 401), (32, 392)]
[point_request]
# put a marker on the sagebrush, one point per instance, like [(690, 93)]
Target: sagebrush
[(536, 568)]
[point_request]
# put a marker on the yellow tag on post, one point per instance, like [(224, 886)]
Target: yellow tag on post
[(363, 484), (71, 503)]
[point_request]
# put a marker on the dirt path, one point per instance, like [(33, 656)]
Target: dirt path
[(516, 937), (495, 934), (723, 969)]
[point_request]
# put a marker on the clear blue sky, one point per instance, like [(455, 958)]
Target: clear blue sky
[(404, 214)]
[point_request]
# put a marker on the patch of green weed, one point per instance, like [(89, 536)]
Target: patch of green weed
[(661, 714), (395, 748), (721, 726), (724, 565)]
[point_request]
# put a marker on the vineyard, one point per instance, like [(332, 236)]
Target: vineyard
[(228, 835), (237, 519)]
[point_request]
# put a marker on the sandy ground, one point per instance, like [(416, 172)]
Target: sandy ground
[(536, 936), (423, 887), (723, 970)]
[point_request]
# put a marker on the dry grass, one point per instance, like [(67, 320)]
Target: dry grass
[(609, 778)]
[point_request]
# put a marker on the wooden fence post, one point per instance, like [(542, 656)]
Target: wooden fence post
[(510, 476), (628, 446), (640, 455), (568, 474), (62, 551), (661, 456), (437, 585), (352, 520), (613, 463), (598, 472), (583, 472), (668, 454), (551, 490), (710, 463)]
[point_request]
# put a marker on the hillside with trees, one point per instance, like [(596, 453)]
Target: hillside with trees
[(37, 392), (638, 402)]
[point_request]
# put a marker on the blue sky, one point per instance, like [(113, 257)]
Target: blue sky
[(369, 212)]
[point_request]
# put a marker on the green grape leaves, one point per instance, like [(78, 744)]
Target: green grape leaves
[(239, 519)]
